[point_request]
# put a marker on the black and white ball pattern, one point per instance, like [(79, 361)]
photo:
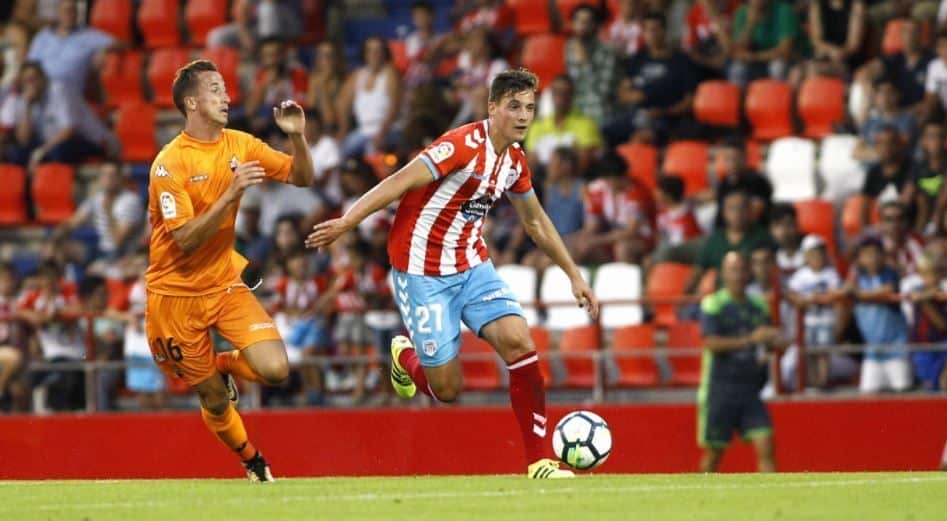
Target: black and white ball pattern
[(582, 440)]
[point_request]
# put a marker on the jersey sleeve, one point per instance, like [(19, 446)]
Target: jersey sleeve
[(709, 315), (447, 154), (174, 204), (524, 183), (278, 165)]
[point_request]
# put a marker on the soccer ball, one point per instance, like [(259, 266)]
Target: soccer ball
[(582, 440)]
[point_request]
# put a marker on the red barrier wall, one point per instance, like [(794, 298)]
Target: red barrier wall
[(858, 435)]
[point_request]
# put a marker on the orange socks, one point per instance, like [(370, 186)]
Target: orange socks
[(229, 429), (234, 363)]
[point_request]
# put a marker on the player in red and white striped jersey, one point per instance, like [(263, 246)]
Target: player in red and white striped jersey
[(442, 271)]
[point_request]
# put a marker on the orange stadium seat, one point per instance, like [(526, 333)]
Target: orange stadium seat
[(893, 40), (717, 103), (161, 69), (227, 60), (399, 54), (688, 159), (158, 21), (531, 17), (852, 214), (686, 368), (635, 371), (768, 107), (113, 17), (818, 216), (52, 192), (544, 54), (135, 127), (754, 154), (665, 280), (642, 162), (202, 16), (821, 105), (13, 195), (120, 77), (582, 343), (481, 374), (540, 337)]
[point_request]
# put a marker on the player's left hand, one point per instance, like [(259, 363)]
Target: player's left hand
[(289, 117), (585, 297)]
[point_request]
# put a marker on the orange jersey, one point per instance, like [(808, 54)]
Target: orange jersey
[(187, 177)]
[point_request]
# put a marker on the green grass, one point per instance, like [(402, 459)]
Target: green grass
[(881, 496)]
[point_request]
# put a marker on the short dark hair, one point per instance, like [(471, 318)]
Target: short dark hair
[(610, 165), (422, 4), (386, 49), (49, 268), (781, 211), (672, 186), (90, 285), (656, 16), (733, 142), (512, 81), (567, 153), (587, 7), (186, 80)]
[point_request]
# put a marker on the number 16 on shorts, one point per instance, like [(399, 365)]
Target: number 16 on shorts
[(165, 348)]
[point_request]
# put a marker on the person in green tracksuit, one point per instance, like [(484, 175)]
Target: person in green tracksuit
[(735, 329)]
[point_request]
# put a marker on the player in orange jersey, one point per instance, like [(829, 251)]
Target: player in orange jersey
[(193, 281)]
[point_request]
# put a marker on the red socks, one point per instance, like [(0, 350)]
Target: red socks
[(412, 364), (528, 398)]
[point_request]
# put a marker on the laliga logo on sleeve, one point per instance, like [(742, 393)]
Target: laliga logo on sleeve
[(169, 209), (441, 151)]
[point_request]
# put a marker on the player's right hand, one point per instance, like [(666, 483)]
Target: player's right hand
[(244, 176), (325, 233)]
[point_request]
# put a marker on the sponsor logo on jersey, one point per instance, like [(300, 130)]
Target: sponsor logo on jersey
[(169, 209), (262, 325), (430, 347), (161, 171), (234, 163), (477, 208), (495, 295), (199, 178), (441, 152)]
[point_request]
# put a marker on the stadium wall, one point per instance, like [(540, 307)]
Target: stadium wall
[(853, 435)]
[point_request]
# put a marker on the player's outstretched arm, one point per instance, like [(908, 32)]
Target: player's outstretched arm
[(290, 118), (414, 175), (540, 228)]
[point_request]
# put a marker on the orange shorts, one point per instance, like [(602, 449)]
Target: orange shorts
[(178, 329)]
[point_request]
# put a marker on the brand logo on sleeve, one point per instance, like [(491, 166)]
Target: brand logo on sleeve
[(441, 152), (161, 171), (169, 209)]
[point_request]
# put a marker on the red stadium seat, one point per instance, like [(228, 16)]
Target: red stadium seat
[(688, 160), (893, 40), (161, 70), (642, 162), (52, 193), (480, 374), (227, 60), (821, 105), (685, 367), (754, 154), (717, 103), (13, 195), (202, 16), (818, 216), (635, 371), (135, 127), (121, 77), (768, 107), (666, 280), (158, 21), (540, 337), (580, 345), (113, 17), (531, 17), (852, 214), (544, 54)]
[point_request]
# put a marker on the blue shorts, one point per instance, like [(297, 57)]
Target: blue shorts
[(143, 376), (432, 308)]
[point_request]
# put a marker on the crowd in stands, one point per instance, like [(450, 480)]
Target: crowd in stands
[(669, 133)]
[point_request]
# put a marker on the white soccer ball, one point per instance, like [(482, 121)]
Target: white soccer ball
[(582, 440)]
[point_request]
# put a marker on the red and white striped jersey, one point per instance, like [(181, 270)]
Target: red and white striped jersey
[(439, 227)]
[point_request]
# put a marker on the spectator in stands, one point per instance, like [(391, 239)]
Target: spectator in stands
[(274, 201), (676, 221), (837, 32), (928, 178), (735, 175), (479, 61), (565, 127), (764, 278), (108, 331), (15, 36), (591, 63), (67, 52), (901, 245), (764, 34), (879, 319), (492, 15), (356, 178), (657, 91), (885, 112), (784, 227), (428, 110), (707, 37), (142, 376), (326, 157), (240, 33), (890, 178), (351, 332), (325, 83), (372, 94), (115, 211), (926, 315), (13, 348), (49, 122), (279, 18), (422, 46), (624, 32), (381, 315), (935, 84), (277, 79)]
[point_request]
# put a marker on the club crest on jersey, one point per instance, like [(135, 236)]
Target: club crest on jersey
[(161, 171), (511, 178), (477, 208), (441, 152), (234, 163)]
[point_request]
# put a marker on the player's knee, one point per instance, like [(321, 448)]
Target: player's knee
[(275, 370), (447, 391), (215, 402), (514, 345)]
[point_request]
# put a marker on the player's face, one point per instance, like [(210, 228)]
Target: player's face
[(513, 114), (212, 100)]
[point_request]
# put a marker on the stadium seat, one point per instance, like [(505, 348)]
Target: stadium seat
[(399, 54), (113, 17), (615, 284), (544, 54), (540, 337), (52, 193), (135, 128), (754, 154), (120, 77), (708, 282), (821, 105), (555, 292), (688, 159), (579, 345), (666, 280), (717, 103), (531, 17), (158, 21), (227, 60), (161, 69), (841, 173), (13, 195), (852, 215), (769, 109), (818, 216), (893, 40), (481, 374), (634, 370), (642, 162), (685, 367), (202, 16), (523, 281), (790, 167)]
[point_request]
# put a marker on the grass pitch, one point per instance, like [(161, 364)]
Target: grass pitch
[(865, 496)]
